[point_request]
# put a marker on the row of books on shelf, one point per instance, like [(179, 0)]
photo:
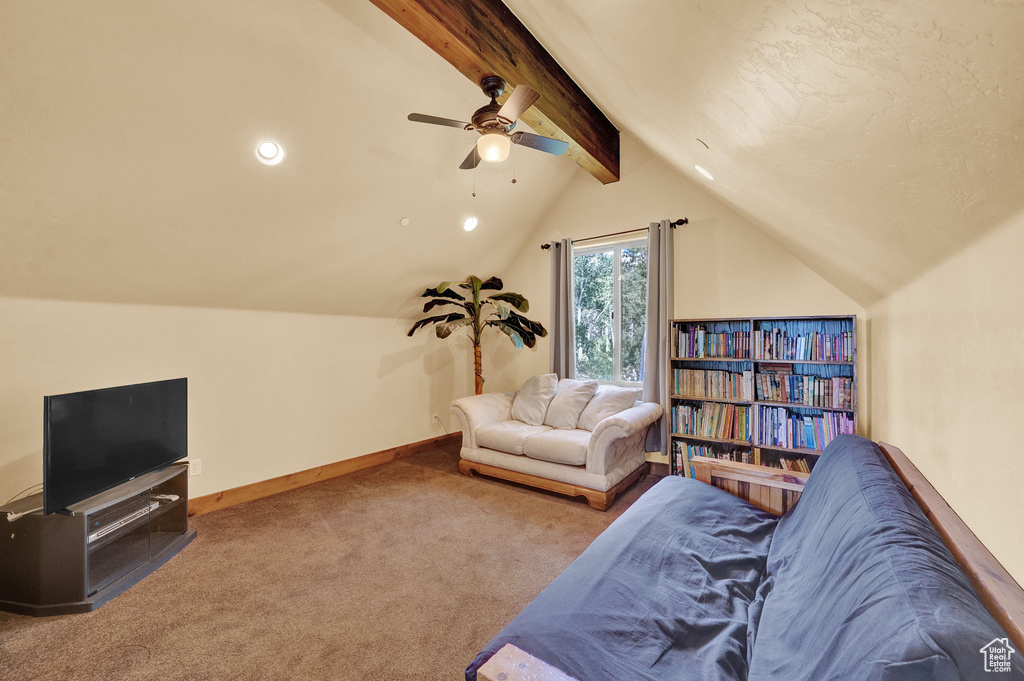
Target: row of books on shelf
[(789, 463), (777, 383), (723, 385), (782, 427), (720, 421), (812, 346), (683, 453), (696, 342)]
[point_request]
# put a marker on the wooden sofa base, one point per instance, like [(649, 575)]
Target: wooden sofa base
[(596, 499)]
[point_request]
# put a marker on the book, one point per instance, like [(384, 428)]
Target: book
[(712, 419), (716, 383), (791, 342), (782, 427), (696, 341)]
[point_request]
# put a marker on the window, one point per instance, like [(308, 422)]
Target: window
[(610, 305)]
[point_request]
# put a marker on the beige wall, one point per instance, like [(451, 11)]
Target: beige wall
[(724, 266), (270, 393), (948, 372)]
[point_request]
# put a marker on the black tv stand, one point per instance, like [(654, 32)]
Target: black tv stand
[(77, 560)]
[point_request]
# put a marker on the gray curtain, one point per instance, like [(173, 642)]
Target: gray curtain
[(563, 345), (660, 286)]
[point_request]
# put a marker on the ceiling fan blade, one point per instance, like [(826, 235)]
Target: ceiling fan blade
[(434, 120), (521, 99), (472, 161), (548, 144)]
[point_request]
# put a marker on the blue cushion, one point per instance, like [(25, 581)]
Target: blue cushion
[(662, 593), (860, 586)]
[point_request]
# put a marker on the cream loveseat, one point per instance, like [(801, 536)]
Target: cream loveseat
[(570, 436)]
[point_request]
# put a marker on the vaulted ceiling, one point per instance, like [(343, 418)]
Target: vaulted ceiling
[(872, 140), (128, 173)]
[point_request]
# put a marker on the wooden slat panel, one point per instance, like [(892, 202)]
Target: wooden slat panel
[(1003, 597), (482, 38), (266, 488), (743, 478), (774, 490), (768, 474)]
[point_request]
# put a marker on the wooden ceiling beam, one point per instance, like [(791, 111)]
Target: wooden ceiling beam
[(483, 38)]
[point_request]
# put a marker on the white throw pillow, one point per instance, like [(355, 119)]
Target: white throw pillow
[(531, 402), (570, 400), (609, 400)]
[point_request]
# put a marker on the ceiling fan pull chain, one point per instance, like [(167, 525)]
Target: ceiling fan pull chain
[(474, 182), (514, 163)]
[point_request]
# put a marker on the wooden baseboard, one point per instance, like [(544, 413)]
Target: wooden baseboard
[(265, 488)]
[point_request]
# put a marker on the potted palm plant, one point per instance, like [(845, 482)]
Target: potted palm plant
[(477, 310)]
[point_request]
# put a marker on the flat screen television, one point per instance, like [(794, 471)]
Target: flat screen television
[(98, 439)]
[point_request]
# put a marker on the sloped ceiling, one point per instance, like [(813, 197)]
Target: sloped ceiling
[(870, 139), (127, 171)]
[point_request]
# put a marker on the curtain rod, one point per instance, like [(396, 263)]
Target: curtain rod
[(672, 223)]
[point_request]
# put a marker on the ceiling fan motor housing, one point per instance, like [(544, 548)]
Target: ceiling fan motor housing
[(485, 119), (493, 86)]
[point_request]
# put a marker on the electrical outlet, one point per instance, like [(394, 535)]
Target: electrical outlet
[(195, 467)]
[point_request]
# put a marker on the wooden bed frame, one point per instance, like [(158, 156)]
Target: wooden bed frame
[(776, 491), (1003, 597)]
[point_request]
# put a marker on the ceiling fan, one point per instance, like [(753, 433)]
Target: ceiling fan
[(495, 122)]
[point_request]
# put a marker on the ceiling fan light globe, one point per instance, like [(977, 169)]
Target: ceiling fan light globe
[(493, 147)]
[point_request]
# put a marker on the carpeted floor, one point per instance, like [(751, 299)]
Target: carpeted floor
[(400, 572)]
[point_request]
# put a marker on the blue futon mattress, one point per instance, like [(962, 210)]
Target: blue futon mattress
[(663, 593)]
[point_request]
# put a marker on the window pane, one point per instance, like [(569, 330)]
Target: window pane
[(592, 294), (634, 312)]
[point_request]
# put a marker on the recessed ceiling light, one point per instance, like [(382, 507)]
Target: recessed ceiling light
[(404, 222), (703, 172), (470, 224), (269, 152)]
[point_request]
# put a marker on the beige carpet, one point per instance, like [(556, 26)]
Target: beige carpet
[(400, 572)]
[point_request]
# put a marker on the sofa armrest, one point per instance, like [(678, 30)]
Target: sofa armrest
[(479, 410), (630, 424)]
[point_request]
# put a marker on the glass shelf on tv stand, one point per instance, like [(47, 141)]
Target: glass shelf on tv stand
[(129, 525), (125, 490)]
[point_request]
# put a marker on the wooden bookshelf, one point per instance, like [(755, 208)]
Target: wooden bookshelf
[(795, 377), (698, 398), (708, 438), (799, 361)]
